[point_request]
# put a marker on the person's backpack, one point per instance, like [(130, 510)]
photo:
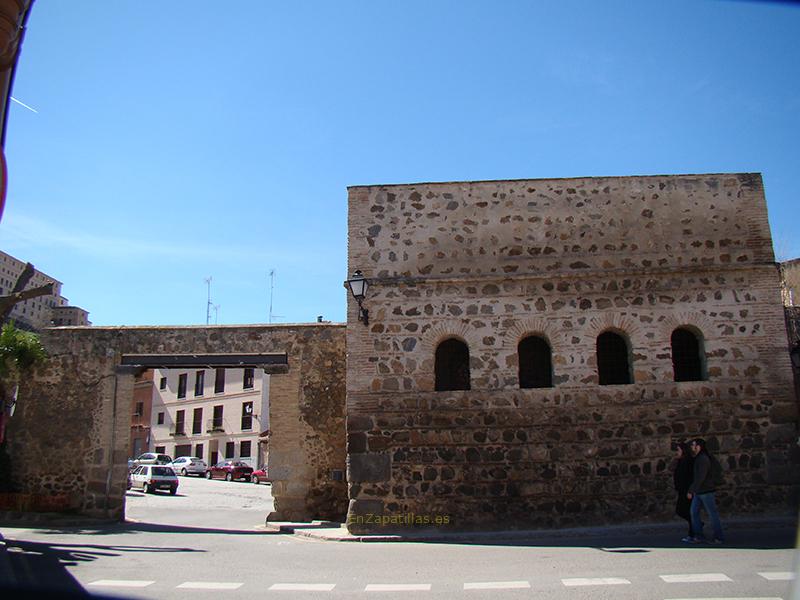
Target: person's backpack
[(717, 474)]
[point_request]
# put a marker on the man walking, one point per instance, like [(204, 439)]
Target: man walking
[(701, 493)]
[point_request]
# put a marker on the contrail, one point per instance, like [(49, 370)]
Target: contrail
[(25, 105)]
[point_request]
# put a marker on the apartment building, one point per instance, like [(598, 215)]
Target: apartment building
[(142, 409), (214, 414), (44, 311)]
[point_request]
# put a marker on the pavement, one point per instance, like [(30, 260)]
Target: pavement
[(211, 538)]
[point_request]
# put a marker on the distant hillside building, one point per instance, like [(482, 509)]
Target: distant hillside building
[(44, 311)]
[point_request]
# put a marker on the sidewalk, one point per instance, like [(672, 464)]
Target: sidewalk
[(329, 531)]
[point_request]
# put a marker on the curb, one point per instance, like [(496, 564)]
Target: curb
[(7, 577), (337, 532)]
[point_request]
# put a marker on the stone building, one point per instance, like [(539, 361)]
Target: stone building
[(533, 347), (77, 462)]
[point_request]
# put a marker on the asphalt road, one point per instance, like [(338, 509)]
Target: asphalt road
[(209, 541)]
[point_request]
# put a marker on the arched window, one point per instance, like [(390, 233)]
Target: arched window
[(535, 363), (452, 366), (687, 355), (613, 364)]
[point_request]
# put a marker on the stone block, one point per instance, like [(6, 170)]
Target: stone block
[(781, 434), (371, 467), (783, 413)]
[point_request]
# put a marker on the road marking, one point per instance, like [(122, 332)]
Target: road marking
[(131, 583), (398, 587), (209, 585), (594, 581), (303, 587), (696, 578), (498, 585), (778, 576), (737, 598)]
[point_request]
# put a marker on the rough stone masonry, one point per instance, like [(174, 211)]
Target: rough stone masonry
[(489, 264)]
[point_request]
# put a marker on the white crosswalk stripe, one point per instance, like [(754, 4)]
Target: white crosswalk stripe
[(302, 587), (398, 587), (695, 578), (582, 581), (130, 583), (209, 585), (498, 585), (732, 598), (778, 575)]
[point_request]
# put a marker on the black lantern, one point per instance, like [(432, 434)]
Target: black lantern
[(358, 285)]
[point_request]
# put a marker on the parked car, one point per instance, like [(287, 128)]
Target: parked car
[(230, 470), (189, 465), (154, 477), (151, 458), (260, 476)]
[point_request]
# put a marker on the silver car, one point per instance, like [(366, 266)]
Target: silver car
[(189, 465), (154, 477)]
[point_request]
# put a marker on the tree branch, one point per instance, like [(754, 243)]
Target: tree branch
[(7, 302), (24, 278)]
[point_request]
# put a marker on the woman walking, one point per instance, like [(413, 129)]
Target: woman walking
[(682, 476)]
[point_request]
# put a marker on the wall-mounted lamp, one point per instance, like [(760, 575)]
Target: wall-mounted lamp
[(358, 285)]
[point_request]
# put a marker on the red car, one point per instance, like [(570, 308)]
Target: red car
[(260, 476), (230, 470)]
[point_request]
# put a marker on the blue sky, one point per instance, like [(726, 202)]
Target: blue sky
[(190, 140)]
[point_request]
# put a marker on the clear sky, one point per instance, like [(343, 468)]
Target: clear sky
[(185, 139)]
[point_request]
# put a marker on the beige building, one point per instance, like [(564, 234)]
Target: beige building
[(214, 414), (44, 311), (790, 282)]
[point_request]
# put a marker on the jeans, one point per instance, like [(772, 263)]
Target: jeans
[(707, 501)]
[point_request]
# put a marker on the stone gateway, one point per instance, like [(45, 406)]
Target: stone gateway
[(535, 346)]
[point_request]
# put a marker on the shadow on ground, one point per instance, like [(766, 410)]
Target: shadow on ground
[(40, 568)]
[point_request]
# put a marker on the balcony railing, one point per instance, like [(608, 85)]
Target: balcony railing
[(179, 430), (214, 425)]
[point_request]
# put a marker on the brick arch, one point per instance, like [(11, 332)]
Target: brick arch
[(616, 322), (448, 329), (555, 336), (691, 319)]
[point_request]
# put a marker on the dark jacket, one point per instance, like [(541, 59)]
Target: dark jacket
[(683, 475), (703, 481)]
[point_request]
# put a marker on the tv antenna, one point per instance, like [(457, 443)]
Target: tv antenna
[(208, 304), (271, 293)]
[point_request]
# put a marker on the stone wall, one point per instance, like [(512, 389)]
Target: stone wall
[(70, 434), (491, 262)]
